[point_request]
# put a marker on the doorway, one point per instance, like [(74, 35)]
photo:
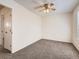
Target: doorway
[(5, 27)]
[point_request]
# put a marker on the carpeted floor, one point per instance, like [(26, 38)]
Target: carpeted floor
[(44, 49)]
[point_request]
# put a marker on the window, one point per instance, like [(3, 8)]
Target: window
[(78, 24)]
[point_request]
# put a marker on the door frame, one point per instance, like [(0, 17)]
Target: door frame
[(3, 4)]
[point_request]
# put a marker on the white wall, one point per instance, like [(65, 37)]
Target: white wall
[(75, 38), (57, 27), (26, 26)]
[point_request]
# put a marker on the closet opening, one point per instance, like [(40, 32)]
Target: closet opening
[(5, 27)]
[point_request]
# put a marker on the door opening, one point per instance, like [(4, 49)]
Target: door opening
[(5, 27)]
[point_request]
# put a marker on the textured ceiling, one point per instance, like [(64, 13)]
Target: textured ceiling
[(62, 6)]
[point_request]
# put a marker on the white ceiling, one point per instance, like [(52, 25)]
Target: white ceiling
[(62, 6)]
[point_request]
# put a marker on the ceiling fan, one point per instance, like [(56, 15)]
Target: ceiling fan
[(46, 7)]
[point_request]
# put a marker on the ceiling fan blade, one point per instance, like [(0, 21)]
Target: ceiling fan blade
[(38, 7), (41, 10), (51, 4), (53, 9)]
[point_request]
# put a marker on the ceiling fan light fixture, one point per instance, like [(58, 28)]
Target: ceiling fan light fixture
[(47, 7)]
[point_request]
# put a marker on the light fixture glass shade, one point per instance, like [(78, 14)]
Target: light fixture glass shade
[(46, 10)]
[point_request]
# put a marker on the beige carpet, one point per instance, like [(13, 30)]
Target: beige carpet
[(45, 49)]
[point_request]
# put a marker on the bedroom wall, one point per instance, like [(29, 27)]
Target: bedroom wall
[(75, 40), (26, 26), (57, 27)]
